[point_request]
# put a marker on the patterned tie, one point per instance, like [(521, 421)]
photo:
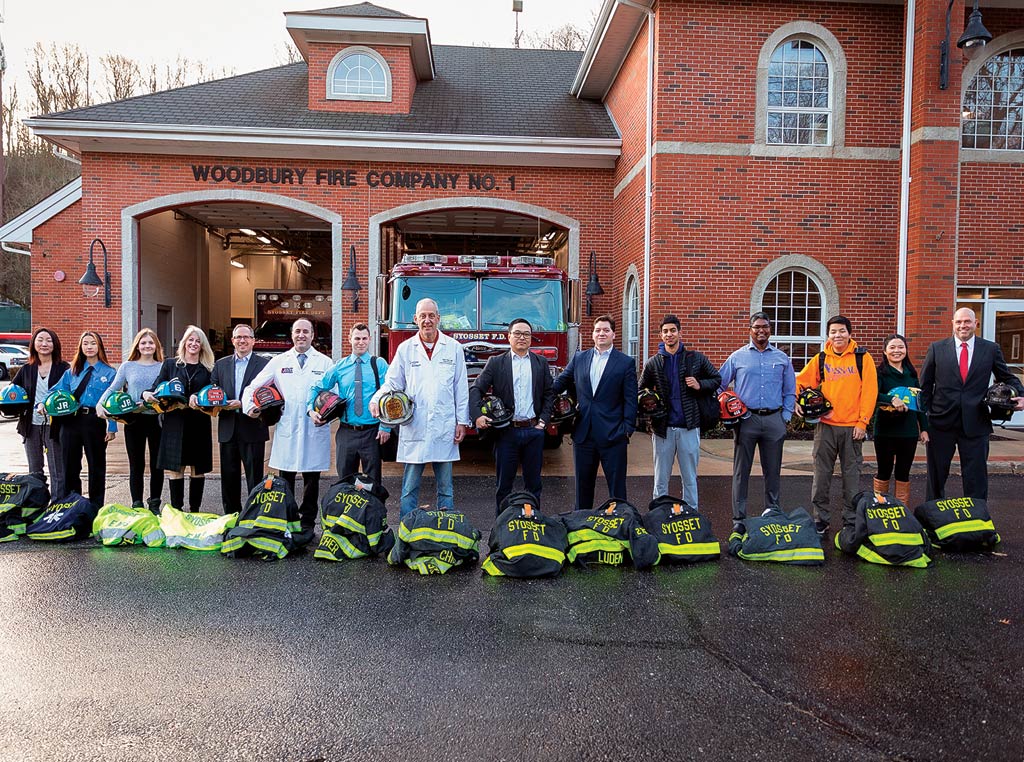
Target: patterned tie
[(302, 361), (963, 361), (359, 387)]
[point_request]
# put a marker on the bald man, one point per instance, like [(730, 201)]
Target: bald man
[(956, 374)]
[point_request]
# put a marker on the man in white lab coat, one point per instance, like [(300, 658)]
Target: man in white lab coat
[(299, 444), (431, 368)]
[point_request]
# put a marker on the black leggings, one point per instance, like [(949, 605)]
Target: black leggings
[(145, 429), (86, 433), (895, 449)]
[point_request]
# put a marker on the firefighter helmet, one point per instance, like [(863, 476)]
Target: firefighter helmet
[(14, 401), (395, 408), (908, 394), (731, 408), (564, 408), (999, 399), (60, 402), (269, 401), (329, 406), (499, 415), (650, 404), (814, 404), (119, 406), (210, 399), (170, 395)]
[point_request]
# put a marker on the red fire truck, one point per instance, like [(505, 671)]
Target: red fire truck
[(476, 298)]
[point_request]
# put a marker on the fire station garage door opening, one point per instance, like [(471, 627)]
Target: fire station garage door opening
[(218, 264), (483, 267)]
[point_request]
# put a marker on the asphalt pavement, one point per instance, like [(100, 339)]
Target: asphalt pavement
[(154, 654)]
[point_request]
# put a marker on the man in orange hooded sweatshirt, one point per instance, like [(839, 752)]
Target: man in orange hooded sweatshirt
[(850, 383)]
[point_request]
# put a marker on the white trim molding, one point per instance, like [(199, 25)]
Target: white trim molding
[(130, 245), (801, 262), (19, 229)]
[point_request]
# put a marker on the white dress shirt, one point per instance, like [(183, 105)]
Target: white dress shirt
[(522, 386), (597, 366)]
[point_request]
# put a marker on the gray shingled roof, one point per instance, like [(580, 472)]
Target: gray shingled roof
[(476, 91), (362, 10)]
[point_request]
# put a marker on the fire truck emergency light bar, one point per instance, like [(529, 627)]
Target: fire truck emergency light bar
[(536, 261)]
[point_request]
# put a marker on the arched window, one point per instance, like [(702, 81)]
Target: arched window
[(794, 300), (359, 73), (799, 96), (631, 323), (993, 106)]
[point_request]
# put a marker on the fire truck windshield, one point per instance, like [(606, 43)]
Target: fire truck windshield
[(459, 302)]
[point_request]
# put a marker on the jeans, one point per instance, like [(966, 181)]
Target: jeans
[(683, 444), (411, 486)]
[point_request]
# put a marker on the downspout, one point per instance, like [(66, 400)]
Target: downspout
[(648, 184), (908, 87), (12, 250)]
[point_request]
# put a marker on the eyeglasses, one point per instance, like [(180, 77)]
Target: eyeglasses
[(247, 338), (521, 334), (760, 328)]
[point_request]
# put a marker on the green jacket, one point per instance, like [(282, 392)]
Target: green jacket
[(893, 424)]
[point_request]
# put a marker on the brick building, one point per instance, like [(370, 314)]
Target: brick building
[(717, 157)]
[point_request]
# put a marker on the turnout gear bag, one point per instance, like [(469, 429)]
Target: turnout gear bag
[(787, 538), (193, 531), (684, 534), (524, 542), (432, 542), (65, 520), (120, 525), (958, 524), (611, 534), (884, 532), (269, 526), (23, 497), (355, 520)]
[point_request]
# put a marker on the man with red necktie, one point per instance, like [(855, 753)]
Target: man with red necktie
[(956, 374)]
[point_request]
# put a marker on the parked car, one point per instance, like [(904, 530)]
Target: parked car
[(12, 357), (275, 336)]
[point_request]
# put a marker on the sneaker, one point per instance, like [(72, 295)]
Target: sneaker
[(821, 527)]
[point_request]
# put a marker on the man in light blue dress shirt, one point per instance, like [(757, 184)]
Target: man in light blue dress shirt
[(360, 434), (763, 378)]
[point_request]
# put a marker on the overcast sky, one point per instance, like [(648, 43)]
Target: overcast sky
[(245, 36)]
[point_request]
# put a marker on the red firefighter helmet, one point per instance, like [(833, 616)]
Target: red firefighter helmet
[(731, 408)]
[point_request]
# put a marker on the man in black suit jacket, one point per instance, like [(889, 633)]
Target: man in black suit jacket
[(243, 440), (522, 381), (603, 381), (954, 380)]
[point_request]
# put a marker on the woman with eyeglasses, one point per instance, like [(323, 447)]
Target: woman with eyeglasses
[(43, 370), (84, 432), (186, 440), (135, 375)]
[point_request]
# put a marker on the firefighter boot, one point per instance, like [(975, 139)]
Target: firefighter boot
[(903, 492), (196, 485), (154, 505), (879, 486), (177, 489)]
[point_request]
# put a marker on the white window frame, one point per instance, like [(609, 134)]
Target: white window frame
[(827, 109), (1003, 44), (631, 315), (835, 58), (353, 51)]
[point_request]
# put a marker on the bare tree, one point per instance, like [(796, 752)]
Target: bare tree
[(286, 53), (59, 77), (566, 37), (122, 76)]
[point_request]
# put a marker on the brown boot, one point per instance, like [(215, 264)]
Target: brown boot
[(880, 486), (903, 493)]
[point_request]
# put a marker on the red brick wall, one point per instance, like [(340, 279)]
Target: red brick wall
[(403, 81), (114, 181), (706, 89), (627, 103)]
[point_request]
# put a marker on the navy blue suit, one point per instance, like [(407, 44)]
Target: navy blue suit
[(607, 418)]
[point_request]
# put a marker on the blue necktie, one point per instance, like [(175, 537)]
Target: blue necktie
[(302, 361)]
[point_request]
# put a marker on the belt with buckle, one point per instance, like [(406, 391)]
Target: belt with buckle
[(766, 411), (86, 410), (359, 426), (526, 423)]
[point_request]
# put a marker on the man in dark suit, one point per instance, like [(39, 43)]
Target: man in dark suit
[(603, 381), (243, 440), (522, 381), (954, 380)]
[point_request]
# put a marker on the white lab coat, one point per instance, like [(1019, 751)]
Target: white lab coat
[(439, 389), (298, 444)]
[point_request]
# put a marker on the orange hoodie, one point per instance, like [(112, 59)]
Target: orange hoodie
[(853, 398)]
